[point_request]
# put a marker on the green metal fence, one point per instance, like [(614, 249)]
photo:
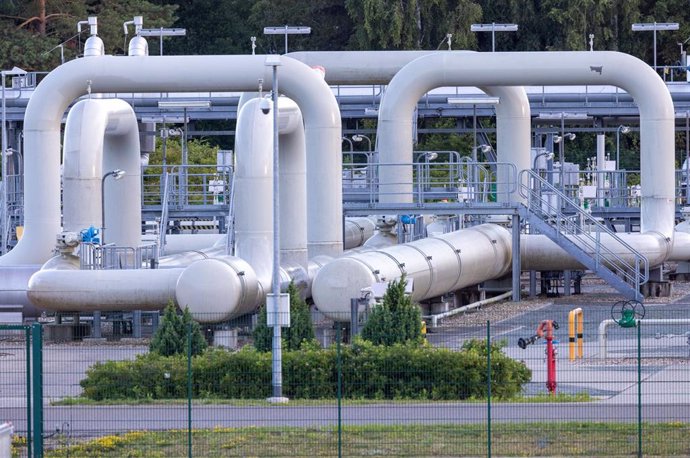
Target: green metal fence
[(467, 390)]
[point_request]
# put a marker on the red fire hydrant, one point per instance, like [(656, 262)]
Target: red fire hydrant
[(545, 329)]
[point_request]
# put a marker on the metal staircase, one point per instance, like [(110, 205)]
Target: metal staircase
[(230, 232), (163, 225), (562, 220)]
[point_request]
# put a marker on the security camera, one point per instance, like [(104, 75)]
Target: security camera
[(265, 106)]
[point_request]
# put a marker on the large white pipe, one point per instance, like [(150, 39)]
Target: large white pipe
[(538, 252), (107, 74), (102, 135), (538, 68), (513, 139), (435, 265), (90, 290), (357, 231)]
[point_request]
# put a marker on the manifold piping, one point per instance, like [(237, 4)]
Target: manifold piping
[(102, 135), (108, 74), (540, 68)]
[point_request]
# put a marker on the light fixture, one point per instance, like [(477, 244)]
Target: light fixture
[(473, 100), (493, 28), (182, 104), (287, 30), (654, 26)]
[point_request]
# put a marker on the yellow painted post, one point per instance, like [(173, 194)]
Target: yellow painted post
[(576, 314)]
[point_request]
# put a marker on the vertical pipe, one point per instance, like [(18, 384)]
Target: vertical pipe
[(277, 357), (29, 439), (488, 388), (189, 390), (516, 258), (37, 394)]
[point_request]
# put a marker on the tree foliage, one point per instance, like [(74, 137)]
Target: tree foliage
[(301, 329), (395, 320), (171, 336)]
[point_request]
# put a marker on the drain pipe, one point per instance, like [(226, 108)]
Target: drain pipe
[(435, 318)]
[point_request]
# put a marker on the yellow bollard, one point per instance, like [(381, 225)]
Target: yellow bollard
[(576, 338)]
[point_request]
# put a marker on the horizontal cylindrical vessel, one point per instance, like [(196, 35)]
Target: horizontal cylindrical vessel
[(435, 265)]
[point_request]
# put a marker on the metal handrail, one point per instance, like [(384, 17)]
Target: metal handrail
[(163, 225), (540, 195), (230, 231)]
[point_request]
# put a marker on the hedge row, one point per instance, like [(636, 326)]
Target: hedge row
[(368, 372)]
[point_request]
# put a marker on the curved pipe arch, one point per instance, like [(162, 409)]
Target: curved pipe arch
[(540, 68), (107, 74), (102, 135)]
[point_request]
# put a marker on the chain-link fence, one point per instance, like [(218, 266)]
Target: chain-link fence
[(583, 385)]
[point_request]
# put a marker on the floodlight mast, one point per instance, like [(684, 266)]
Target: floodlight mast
[(161, 32), (287, 30), (654, 26), (493, 28)]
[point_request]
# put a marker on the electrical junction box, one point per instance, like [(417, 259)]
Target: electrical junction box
[(282, 317)]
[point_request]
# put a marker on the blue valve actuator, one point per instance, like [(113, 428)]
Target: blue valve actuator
[(90, 235)]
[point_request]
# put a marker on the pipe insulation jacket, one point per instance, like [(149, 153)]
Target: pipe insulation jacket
[(109, 74), (435, 265), (537, 68)]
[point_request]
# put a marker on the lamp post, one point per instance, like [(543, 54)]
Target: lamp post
[(359, 137), (493, 28), (274, 302), (116, 174), (620, 130), (654, 26), (287, 30), (16, 71)]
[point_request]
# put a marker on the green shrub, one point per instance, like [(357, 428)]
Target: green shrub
[(301, 329), (369, 371), (396, 319), (171, 336)]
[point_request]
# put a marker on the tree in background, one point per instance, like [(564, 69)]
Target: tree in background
[(301, 329), (171, 337), (31, 30), (395, 320)]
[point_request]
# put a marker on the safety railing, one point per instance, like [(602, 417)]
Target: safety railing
[(577, 225), (111, 257), (189, 185), (163, 223), (455, 181)]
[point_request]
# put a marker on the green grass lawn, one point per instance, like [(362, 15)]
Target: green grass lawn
[(508, 439)]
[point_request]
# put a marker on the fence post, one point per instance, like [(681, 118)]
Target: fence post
[(639, 390), (488, 388), (189, 390), (29, 439), (339, 391), (37, 398)]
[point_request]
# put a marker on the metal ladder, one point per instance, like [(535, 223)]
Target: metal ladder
[(579, 234)]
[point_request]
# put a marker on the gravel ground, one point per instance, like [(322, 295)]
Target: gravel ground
[(594, 292)]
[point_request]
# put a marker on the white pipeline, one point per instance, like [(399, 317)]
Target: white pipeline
[(435, 265), (537, 68), (644, 322), (109, 74)]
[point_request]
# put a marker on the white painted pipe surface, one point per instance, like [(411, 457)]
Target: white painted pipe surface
[(109, 74), (102, 135), (436, 265), (90, 290), (539, 68), (513, 143), (357, 231), (645, 322), (538, 252)]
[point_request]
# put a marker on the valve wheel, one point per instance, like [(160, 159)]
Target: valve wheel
[(619, 308)]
